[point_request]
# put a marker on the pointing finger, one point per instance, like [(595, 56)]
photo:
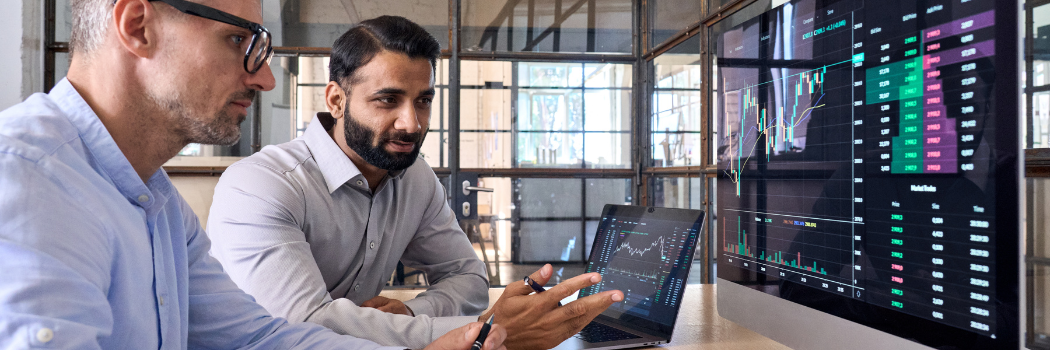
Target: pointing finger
[(571, 286)]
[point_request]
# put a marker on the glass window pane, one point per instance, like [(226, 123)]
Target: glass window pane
[(1039, 191), (549, 241), (677, 192), (714, 128), (550, 149), (1040, 290), (676, 110), (606, 191), (1041, 47), (61, 65), (1041, 120), (547, 26), (485, 150), (550, 198), (485, 109), (607, 110), (63, 22), (311, 77), (495, 210), (668, 17), (317, 23), (676, 106), (550, 109), (480, 73), (605, 75), (607, 150), (676, 149), (550, 74)]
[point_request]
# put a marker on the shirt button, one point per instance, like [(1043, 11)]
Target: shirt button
[(45, 335), (372, 244), (143, 198), (360, 183), (161, 300), (357, 287)]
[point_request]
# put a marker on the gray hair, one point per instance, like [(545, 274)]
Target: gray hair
[(90, 21)]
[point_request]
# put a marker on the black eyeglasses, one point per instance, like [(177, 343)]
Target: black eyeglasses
[(259, 52)]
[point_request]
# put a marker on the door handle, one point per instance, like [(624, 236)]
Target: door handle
[(467, 188)]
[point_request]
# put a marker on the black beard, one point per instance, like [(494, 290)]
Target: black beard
[(359, 138)]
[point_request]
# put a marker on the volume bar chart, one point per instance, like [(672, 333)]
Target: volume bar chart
[(741, 248)]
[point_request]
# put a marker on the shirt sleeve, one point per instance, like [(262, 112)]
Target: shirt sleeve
[(224, 317), (52, 283), (458, 282), (254, 225)]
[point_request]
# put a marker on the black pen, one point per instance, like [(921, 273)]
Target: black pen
[(484, 333), (536, 286)]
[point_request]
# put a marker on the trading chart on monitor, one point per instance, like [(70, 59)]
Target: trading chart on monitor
[(857, 155)]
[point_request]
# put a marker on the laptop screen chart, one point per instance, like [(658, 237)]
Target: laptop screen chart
[(648, 260)]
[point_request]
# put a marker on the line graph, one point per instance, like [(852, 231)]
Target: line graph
[(641, 251), (775, 128)]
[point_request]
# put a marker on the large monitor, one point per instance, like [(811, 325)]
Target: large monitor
[(868, 194)]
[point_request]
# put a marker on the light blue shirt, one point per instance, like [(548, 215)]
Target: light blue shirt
[(91, 257)]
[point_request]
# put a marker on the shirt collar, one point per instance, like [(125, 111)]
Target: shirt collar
[(111, 161), (335, 166)]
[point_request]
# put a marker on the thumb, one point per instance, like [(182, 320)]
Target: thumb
[(458, 339)]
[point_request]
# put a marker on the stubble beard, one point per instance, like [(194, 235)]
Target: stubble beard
[(222, 129)]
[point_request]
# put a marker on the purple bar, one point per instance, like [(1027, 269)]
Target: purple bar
[(975, 22), (982, 49), (936, 125), (947, 161), (934, 112), (933, 98)]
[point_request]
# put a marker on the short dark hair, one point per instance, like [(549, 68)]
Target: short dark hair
[(366, 39)]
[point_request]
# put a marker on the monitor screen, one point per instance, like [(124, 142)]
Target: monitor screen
[(646, 253), (868, 157)]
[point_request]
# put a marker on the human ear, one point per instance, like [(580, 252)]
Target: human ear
[(135, 26), (335, 99)]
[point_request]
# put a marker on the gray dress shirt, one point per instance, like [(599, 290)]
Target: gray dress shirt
[(297, 227)]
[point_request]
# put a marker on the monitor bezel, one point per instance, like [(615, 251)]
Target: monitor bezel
[(1008, 203)]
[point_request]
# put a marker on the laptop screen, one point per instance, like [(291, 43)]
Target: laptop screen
[(646, 253)]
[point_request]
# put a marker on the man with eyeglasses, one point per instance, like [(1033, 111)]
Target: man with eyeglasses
[(314, 227), (97, 248)]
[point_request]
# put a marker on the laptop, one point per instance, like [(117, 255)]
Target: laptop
[(645, 252)]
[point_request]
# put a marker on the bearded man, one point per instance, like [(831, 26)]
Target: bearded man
[(313, 228)]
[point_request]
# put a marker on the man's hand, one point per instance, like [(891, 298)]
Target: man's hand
[(463, 338), (387, 305), (536, 321)]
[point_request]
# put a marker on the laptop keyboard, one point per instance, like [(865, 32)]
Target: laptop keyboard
[(597, 333)]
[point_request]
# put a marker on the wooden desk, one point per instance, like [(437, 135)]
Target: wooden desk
[(698, 327)]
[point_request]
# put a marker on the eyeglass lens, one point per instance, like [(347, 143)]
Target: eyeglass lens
[(260, 52)]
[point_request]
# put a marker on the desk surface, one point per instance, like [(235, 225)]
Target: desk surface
[(699, 325)]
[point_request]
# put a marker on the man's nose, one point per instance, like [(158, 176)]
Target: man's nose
[(407, 120), (262, 79)]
